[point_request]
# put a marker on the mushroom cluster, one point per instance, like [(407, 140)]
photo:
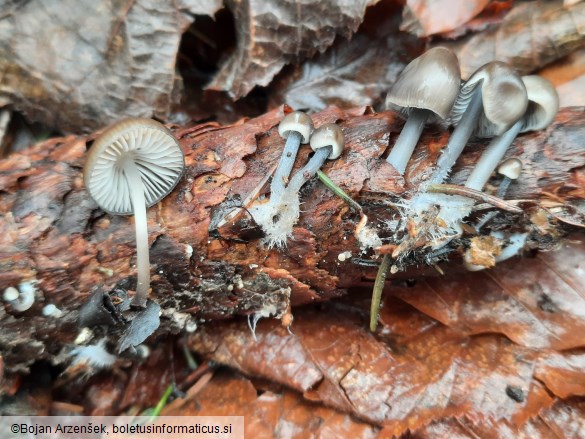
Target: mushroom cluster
[(132, 165), (280, 213), (493, 103)]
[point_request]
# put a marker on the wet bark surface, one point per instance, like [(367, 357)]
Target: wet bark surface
[(53, 235)]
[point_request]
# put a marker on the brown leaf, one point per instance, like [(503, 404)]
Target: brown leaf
[(568, 75), (96, 63), (532, 35), (268, 413), (351, 73), (563, 420), (427, 17), (418, 370), (273, 34), (537, 301)]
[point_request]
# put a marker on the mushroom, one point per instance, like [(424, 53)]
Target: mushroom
[(131, 166), (426, 88), (51, 310), (296, 128), (489, 103), (543, 105), (278, 216), (510, 169), (327, 141), (21, 298)]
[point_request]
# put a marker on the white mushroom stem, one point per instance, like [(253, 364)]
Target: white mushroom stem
[(408, 138), (311, 168), (482, 171), (459, 138), (491, 157), (139, 206), (286, 163)]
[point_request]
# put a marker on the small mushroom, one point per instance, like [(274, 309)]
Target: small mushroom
[(327, 141), (296, 128), (131, 166), (51, 310), (21, 298), (489, 103), (278, 216), (543, 105), (426, 88), (510, 169)]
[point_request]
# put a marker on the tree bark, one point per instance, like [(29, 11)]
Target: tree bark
[(53, 233)]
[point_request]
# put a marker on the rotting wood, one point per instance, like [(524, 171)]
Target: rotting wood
[(52, 232)]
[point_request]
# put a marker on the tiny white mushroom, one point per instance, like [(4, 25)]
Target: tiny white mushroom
[(20, 299), (51, 310)]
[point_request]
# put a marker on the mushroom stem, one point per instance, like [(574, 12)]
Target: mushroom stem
[(408, 138), (311, 168), (491, 157), (139, 206), (286, 163), (459, 138)]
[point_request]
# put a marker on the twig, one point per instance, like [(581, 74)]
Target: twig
[(453, 189)]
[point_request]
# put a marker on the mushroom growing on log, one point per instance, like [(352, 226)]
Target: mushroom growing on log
[(51, 229)]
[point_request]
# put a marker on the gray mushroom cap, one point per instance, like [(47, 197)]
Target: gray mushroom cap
[(504, 99), (429, 82), (543, 103), (154, 149)]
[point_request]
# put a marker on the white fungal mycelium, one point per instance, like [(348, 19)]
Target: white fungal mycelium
[(95, 356)]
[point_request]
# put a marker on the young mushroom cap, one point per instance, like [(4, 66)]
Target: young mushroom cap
[(328, 135), (132, 165), (510, 168), (503, 95), (299, 122), (296, 128), (430, 82), (543, 103)]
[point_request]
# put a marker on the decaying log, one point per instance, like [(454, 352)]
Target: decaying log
[(53, 234)]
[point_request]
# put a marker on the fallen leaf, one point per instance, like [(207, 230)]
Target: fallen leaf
[(427, 17), (269, 413), (532, 35), (449, 355), (273, 34), (351, 73), (95, 64)]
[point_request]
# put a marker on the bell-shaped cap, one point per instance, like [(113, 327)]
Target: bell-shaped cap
[(511, 168), (543, 103), (503, 95), (328, 135), (154, 150), (299, 122), (429, 82)]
